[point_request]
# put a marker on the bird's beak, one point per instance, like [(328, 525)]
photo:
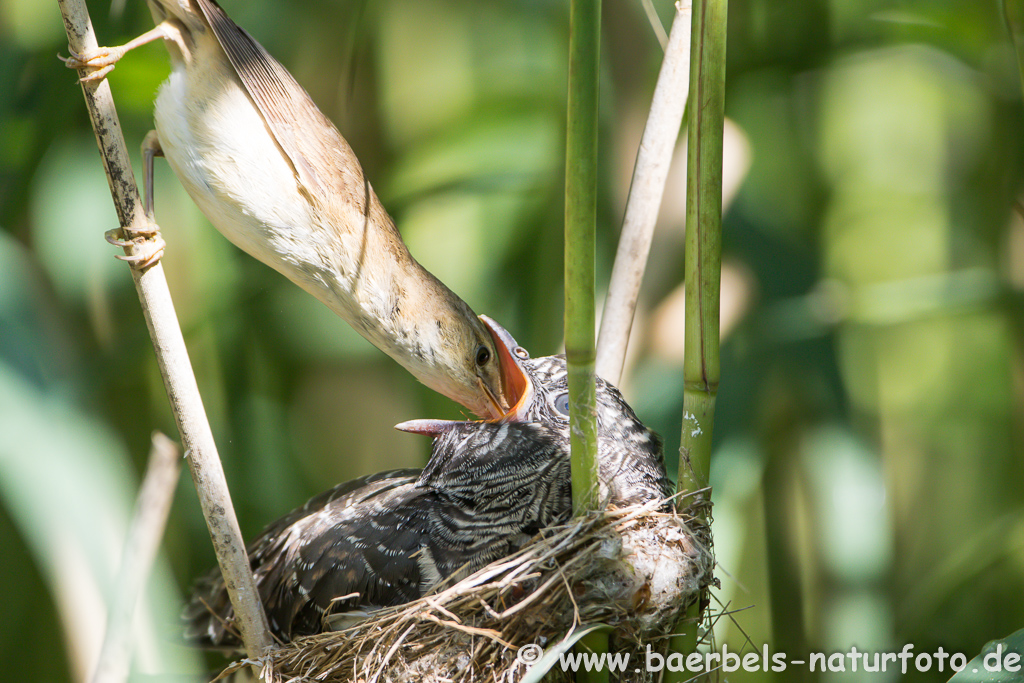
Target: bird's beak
[(516, 383), (496, 404), (430, 428), (513, 379)]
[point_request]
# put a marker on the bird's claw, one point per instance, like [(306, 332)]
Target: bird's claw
[(146, 243), (100, 60)]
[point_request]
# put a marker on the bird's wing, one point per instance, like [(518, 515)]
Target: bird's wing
[(392, 536), (366, 548), (323, 161), (280, 557), (488, 488)]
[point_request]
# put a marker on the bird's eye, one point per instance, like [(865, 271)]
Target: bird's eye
[(483, 354), (561, 404)]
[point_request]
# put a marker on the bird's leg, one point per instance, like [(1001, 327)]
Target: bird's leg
[(147, 244), (150, 149), (103, 59)]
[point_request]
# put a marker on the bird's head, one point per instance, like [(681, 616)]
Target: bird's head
[(631, 465), (474, 368)]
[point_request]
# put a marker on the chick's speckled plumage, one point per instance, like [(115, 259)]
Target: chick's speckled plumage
[(487, 488)]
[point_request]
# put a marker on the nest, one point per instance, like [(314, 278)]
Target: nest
[(634, 569)]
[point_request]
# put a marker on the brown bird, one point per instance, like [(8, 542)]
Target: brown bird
[(488, 487), (275, 176)]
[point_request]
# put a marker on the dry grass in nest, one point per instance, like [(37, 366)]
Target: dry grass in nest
[(635, 569)]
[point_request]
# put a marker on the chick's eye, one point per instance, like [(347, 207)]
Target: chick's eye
[(562, 404), (483, 354)]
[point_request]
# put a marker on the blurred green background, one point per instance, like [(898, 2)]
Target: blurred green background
[(868, 474)]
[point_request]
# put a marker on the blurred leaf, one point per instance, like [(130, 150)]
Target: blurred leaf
[(22, 344), (991, 666), (31, 24), (63, 480), (850, 505), (471, 189), (71, 208), (425, 55), (17, 141), (460, 237), (500, 148), (314, 331)]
